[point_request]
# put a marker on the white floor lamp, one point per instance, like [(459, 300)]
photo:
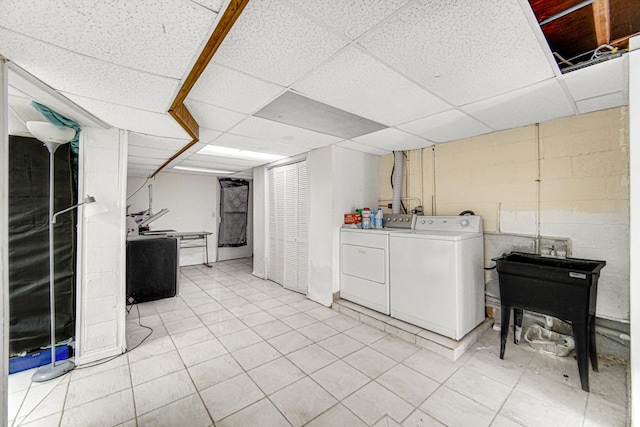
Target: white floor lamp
[(52, 137)]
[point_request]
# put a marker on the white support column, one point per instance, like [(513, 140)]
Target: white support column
[(100, 321), (634, 232), (4, 237)]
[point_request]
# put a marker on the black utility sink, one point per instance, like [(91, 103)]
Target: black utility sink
[(565, 288)]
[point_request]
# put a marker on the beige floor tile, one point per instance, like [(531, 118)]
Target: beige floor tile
[(52, 420), (455, 410), (420, 419), (201, 352), (433, 365), (162, 391), (20, 380), (276, 375), (340, 322), (271, 329), (311, 358), (478, 387), (366, 334), (610, 382), (317, 331), (188, 411), (214, 371), (261, 413), (340, 379), (370, 362), (240, 339), (107, 411), (282, 311), (230, 396), (255, 355), (600, 413), (14, 402), (227, 327), (396, 348), (321, 313), (149, 349), (257, 318), (552, 392), (268, 303), (337, 416), (373, 401), (502, 421), (298, 320), (45, 394), (50, 404), (408, 384), (302, 401), (341, 345), (386, 421), (183, 325), (290, 341), (155, 367), (244, 310), (235, 301), (216, 317), (99, 385), (532, 412), (507, 370), (305, 305), (193, 336)]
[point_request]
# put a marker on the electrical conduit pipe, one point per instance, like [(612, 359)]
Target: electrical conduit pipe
[(398, 159)]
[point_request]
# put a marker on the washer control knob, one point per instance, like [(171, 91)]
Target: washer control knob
[(422, 221), (430, 221), (464, 223)]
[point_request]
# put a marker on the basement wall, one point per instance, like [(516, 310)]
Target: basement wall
[(193, 206), (582, 164)]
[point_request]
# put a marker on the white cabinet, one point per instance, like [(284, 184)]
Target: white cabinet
[(288, 226)]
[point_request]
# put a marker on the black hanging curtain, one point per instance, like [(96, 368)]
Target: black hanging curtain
[(29, 244), (234, 205)]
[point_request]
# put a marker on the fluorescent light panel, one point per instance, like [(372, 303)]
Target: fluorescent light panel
[(215, 150), (188, 168)]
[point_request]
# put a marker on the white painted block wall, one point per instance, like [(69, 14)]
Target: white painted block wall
[(192, 203), (100, 323)]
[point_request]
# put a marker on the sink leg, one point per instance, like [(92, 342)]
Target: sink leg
[(505, 314), (592, 343), (581, 337), (517, 325)]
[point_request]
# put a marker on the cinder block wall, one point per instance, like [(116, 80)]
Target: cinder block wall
[(583, 192)]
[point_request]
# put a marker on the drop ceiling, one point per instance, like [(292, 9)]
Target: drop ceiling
[(426, 71)]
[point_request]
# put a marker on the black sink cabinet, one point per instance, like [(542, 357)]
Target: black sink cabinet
[(565, 288)]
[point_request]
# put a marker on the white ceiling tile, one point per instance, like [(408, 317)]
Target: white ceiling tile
[(148, 122), (157, 142), (70, 72), (352, 145), (447, 126), (392, 139), (161, 37), (255, 127), (137, 172), (218, 162), (207, 135), (233, 90), (212, 117), (151, 153), (214, 5), (259, 145), (23, 109), (355, 82), (273, 42), (536, 104), (143, 160), (352, 18), (599, 79), (462, 51), (603, 102)]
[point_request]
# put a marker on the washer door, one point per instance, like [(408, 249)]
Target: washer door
[(364, 262)]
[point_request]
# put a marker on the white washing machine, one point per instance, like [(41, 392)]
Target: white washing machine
[(364, 262), (436, 274)]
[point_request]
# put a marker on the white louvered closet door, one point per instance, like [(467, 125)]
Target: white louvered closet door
[(288, 221)]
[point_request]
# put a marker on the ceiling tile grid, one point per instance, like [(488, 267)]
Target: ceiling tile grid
[(352, 18), (147, 122), (273, 42), (257, 144), (392, 139), (356, 82), (255, 127), (70, 72), (535, 104), (447, 126), (161, 37), (462, 51), (213, 117), (599, 79), (352, 145), (602, 102), (233, 90), (151, 153), (151, 141)]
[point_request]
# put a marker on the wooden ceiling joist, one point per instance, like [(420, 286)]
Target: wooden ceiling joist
[(178, 110), (602, 20)]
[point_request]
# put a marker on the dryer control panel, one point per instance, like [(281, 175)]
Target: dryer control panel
[(465, 223)]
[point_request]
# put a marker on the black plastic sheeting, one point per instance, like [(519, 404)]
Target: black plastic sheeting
[(29, 245), (234, 206)]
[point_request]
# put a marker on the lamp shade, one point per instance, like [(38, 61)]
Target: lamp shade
[(50, 133), (92, 208)]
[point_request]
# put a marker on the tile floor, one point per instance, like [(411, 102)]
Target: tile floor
[(234, 350)]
